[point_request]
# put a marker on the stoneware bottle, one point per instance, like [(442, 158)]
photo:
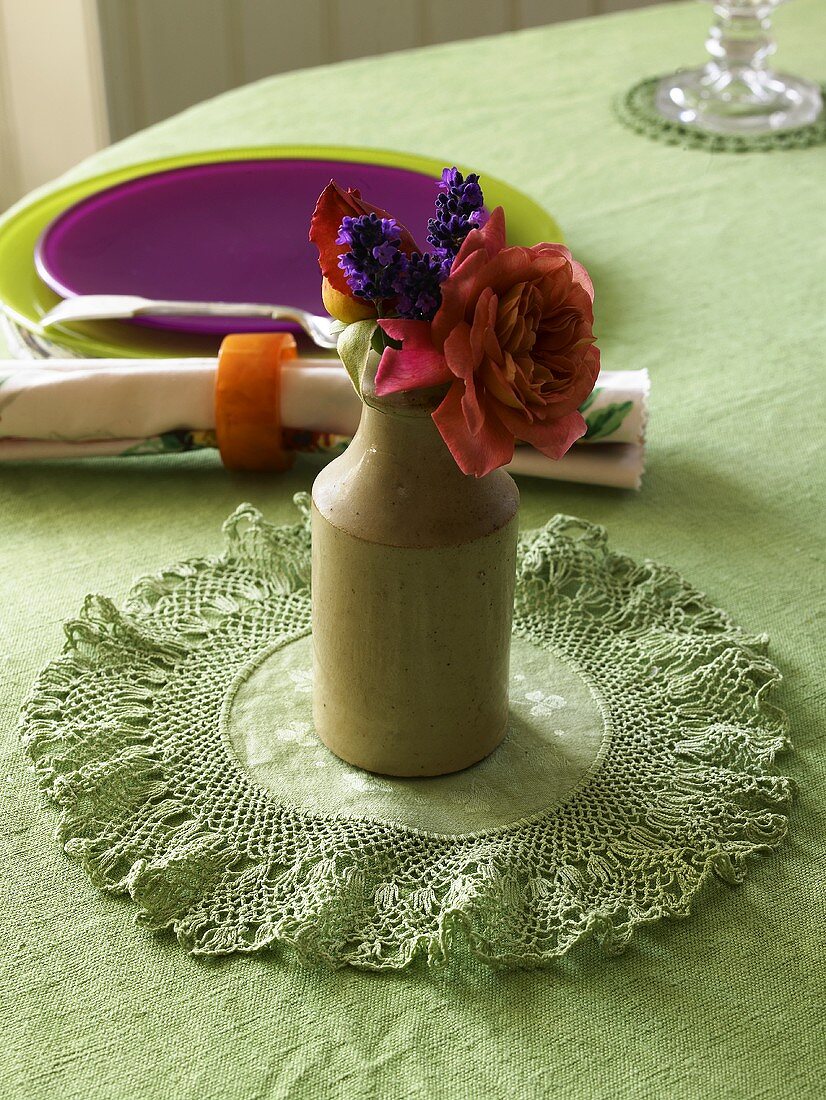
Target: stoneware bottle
[(413, 573)]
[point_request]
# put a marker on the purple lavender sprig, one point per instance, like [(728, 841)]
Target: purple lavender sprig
[(459, 208), (375, 267), (374, 261), (418, 287)]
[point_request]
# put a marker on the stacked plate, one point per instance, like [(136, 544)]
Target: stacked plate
[(226, 226)]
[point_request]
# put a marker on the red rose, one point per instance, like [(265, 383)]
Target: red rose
[(513, 337)]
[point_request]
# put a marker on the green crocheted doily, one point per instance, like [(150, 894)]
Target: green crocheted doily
[(636, 109), (176, 738)]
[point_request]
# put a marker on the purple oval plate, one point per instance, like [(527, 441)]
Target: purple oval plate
[(232, 231)]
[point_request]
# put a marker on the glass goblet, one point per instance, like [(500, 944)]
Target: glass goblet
[(737, 92)]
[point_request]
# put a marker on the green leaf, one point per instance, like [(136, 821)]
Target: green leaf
[(150, 446), (606, 421), (589, 400), (175, 441), (381, 341), (355, 343)]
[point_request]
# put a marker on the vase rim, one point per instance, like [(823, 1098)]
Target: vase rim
[(407, 404)]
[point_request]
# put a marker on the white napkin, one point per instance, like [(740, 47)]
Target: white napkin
[(57, 408)]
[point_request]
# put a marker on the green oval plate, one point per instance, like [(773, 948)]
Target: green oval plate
[(25, 298)]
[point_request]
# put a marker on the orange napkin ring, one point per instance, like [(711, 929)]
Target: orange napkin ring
[(248, 400)]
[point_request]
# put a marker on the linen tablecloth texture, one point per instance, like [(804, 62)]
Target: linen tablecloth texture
[(709, 271)]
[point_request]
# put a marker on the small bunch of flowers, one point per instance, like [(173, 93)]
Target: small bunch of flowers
[(507, 331), (376, 259)]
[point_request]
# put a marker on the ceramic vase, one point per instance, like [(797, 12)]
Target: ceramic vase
[(413, 573)]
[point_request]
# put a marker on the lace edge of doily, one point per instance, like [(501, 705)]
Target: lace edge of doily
[(93, 795), (635, 109)]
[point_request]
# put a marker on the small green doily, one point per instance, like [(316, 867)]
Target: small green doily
[(176, 738), (636, 110)]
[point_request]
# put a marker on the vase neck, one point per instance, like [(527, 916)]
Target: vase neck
[(397, 483), (407, 438)]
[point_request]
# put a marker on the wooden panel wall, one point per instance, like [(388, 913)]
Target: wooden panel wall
[(10, 183), (52, 102), (163, 55)]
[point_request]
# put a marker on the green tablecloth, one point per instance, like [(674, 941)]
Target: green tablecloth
[(710, 272)]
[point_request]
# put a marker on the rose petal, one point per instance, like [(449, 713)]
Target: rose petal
[(555, 249), (468, 274), (511, 266), (458, 351), (494, 233), (484, 319), (516, 328), (417, 365), (474, 454), (472, 410), (578, 298), (553, 439), (463, 285), (498, 385), (333, 205), (582, 278), (489, 239)]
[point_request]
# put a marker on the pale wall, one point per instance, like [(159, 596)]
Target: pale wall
[(76, 73), (52, 102), (163, 55)]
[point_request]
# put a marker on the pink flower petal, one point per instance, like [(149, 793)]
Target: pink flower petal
[(491, 238), (484, 319), (458, 352), (555, 249), (583, 279), (579, 298), (474, 454), (403, 329), (511, 266), (515, 330), (493, 232), (417, 365), (468, 275), (553, 439), (459, 288), (471, 409)]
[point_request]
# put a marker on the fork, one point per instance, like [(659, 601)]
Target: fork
[(110, 307)]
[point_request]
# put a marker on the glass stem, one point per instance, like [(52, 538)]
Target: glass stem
[(740, 39), (737, 91)]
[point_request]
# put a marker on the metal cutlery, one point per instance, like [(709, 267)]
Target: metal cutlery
[(111, 307)]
